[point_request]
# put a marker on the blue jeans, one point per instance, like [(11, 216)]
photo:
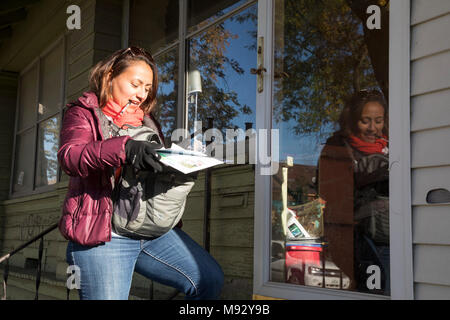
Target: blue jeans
[(173, 259)]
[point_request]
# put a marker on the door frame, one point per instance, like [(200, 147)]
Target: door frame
[(402, 286)]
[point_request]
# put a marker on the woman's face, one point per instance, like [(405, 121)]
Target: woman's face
[(133, 84), (371, 123)]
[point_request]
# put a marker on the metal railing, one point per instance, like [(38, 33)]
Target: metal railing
[(40, 236), (39, 266)]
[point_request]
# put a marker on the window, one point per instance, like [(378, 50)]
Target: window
[(40, 101), (330, 198), (220, 85), (291, 221), (322, 58), (219, 39)]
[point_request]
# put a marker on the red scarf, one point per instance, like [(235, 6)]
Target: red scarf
[(133, 115), (379, 146)]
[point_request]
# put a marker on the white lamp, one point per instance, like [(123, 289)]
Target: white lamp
[(194, 82), (194, 88)]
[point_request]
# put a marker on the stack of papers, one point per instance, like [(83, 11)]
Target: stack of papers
[(186, 161)]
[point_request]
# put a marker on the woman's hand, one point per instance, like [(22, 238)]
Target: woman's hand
[(142, 155)]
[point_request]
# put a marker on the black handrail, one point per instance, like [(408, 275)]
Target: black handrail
[(39, 267), (207, 201), (41, 235)]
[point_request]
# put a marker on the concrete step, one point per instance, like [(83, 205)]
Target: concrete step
[(22, 286)]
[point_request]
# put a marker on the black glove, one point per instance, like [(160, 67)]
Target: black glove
[(167, 143), (143, 156)]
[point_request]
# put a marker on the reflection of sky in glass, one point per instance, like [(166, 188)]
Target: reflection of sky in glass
[(166, 88), (244, 85), (241, 49), (167, 97), (305, 149)]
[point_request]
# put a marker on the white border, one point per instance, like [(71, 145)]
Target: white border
[(402, 281), (400, 175), (263, 200)]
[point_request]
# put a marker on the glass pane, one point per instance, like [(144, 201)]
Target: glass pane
[(167, 98), (220, 85), (24, 166), (50, 98), (202, 12), (153, 24), (47, 148), (330, 207), (27, 98)]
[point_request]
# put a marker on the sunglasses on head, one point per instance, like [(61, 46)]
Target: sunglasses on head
[(135, 52), (366, 92)]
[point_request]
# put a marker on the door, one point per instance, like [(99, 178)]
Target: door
[(324, 99)]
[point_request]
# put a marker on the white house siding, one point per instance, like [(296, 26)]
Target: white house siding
[(430, 145)]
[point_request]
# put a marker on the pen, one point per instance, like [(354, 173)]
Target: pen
[(124, 108), (187, 152)]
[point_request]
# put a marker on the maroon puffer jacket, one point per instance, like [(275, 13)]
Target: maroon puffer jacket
[(89, 159)]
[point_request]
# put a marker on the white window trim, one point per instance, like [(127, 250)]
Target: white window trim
[(402, 281), (400, 170)]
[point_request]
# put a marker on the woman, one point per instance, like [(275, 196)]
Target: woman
[(123, 89), (354, 182)]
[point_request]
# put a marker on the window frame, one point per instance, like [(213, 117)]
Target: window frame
[(401, 263), (182, 41), (36, 62)]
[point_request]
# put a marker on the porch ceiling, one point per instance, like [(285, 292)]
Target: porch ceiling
[(12, 12)]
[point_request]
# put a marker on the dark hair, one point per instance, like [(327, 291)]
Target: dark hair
[(351, 114), (110, 67)]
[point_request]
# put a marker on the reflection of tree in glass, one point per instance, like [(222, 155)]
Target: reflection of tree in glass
[(165, 110), (208, 54), (320, 58), (48, 148), (377, 40)]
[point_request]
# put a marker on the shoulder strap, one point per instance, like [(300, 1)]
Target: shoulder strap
[(109, 129), (151, 122)]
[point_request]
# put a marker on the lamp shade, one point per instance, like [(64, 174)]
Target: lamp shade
[(194, 82)]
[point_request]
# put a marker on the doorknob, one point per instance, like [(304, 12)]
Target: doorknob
[(260, 63), (258, 71)]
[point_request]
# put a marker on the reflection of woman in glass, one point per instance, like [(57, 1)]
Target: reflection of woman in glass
[(354, 182)]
